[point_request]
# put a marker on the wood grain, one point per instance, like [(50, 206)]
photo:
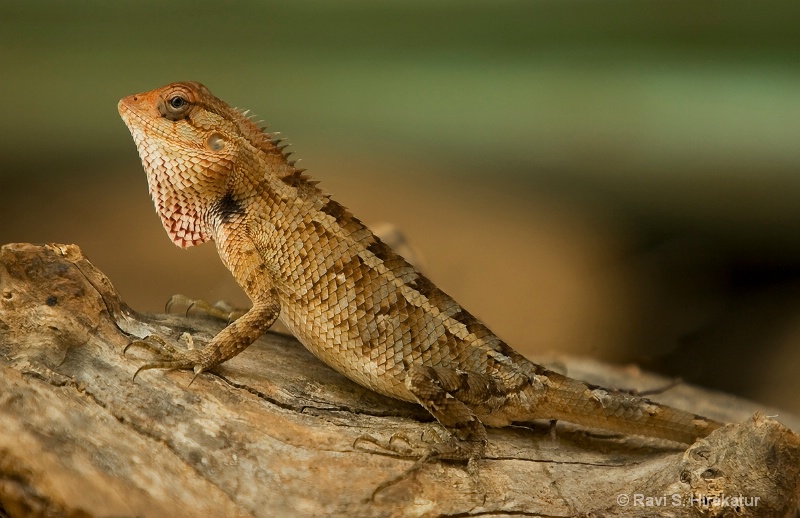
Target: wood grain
[(273, 430)]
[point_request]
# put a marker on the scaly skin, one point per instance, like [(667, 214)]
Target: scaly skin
[(216, 176)]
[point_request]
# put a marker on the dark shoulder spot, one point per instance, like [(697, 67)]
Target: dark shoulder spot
[(228, 207)]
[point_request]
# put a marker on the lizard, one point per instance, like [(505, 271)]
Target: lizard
[(216, 175)]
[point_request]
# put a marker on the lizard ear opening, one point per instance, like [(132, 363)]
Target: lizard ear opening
[(215, 142)]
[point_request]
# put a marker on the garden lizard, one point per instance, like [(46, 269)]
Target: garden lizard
[(215, 175)]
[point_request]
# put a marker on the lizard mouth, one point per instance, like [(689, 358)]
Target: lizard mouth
[(126, 111), (132, 108), (125, 104)]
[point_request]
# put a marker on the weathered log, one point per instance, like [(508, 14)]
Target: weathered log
[(274, 431)]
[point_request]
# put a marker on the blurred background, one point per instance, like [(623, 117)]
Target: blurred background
[(618, 179)]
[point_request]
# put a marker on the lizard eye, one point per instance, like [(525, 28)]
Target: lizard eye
[(178, 102), (174, 108)]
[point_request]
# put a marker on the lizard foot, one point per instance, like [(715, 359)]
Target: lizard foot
[(170, 356), (451, 449), (390, 448), (220, 310)]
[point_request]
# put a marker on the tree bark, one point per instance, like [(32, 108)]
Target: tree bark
[(276, 432)]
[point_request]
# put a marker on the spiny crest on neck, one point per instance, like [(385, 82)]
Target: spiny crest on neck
[(272, 144), (269, 143)]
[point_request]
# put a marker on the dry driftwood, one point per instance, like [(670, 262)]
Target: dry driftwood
[(272, 432)]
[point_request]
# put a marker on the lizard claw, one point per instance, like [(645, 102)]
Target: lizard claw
[(424, 459), (143, 368), (197, 371), (169, 356)]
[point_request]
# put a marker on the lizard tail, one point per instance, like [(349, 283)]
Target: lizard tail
[(593, 406)]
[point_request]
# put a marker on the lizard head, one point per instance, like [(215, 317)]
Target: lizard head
[(190, 143)]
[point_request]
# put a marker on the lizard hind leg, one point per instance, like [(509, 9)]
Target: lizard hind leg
[(440, 390)]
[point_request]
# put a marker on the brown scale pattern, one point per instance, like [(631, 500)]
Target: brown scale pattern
[(358, 306)]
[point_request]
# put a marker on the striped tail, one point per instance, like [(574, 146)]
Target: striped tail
[(593, 406)]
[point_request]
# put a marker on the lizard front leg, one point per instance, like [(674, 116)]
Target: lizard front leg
[(225, 345)]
